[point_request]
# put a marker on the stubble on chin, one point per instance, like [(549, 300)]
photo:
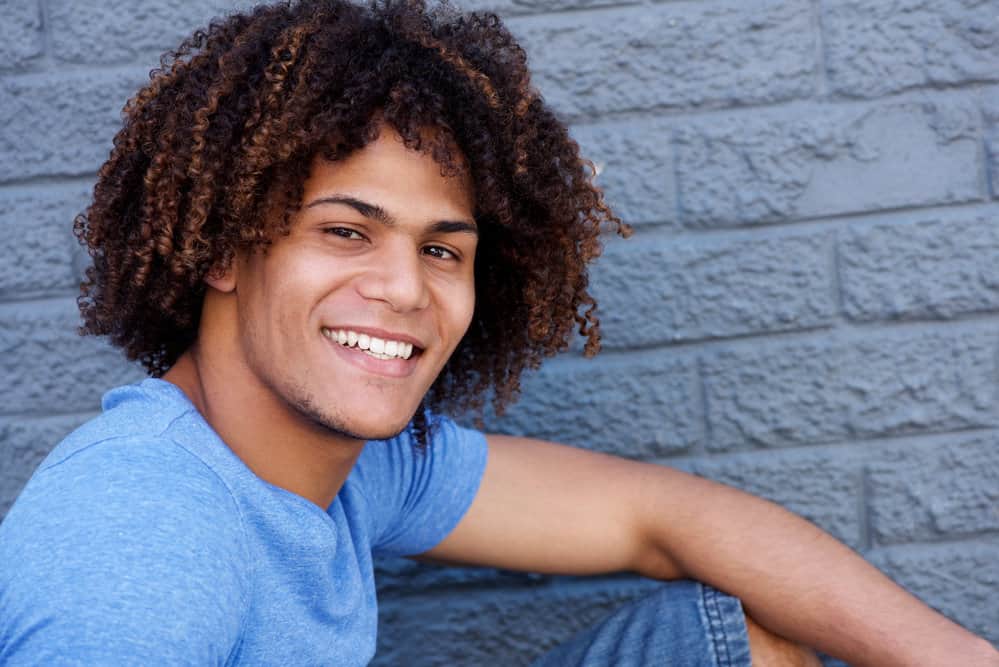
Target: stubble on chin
[(335, 425)]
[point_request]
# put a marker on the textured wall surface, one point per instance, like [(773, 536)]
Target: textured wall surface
[(809, 309)]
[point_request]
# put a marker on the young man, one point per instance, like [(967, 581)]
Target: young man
[(320, 229)]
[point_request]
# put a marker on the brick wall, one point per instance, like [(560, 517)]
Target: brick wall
[(808, 310)]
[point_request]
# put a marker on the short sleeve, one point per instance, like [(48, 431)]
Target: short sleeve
[(125, 553), (417, 498)]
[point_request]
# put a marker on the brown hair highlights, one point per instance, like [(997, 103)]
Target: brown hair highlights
[(227, 128)]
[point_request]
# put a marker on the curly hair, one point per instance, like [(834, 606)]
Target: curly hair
[(231, 121)]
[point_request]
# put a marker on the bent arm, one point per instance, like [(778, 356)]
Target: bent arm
[(550, 508)]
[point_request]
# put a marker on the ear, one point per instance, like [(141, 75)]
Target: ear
[(223, 277)]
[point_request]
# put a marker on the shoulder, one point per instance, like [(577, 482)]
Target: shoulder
[(448, 444), (417, 496), (129, 487), (127, 540)]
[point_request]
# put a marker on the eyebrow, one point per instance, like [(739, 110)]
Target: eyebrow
[(379, 214)]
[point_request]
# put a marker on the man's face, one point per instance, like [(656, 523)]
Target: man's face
[(349, 319)]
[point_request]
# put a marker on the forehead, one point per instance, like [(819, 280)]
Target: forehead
[(403, 180)]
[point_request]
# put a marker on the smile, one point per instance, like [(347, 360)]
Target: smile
[(378, 348)]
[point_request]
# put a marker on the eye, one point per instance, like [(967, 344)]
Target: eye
[(345, 232), (439, 252)]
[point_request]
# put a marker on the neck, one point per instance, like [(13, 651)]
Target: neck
[(277, 443)]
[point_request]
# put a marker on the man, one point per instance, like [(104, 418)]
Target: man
[(320, 228)]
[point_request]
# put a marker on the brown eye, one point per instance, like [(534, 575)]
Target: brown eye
[(438, 252), (345, 232)]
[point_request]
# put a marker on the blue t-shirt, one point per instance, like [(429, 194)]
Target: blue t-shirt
[(142, 539)]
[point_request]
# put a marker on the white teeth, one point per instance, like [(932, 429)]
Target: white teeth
[(374, 346)]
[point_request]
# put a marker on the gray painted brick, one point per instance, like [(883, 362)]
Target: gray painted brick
[(62, 124), (932, 268), (822, 486), (874, 48), (462, 629), (47, 367), (654, 290), (111, 31), (393, 575), (639, 407), (824, 391), (932, 491), (959, 580), (24, 442), (21, 38), (636, 168), (37, 225), (742, 169), (675, 55)]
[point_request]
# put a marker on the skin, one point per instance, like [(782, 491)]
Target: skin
[(384, 243)]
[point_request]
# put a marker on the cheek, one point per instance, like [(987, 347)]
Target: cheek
[(457, 304), (467, 307)]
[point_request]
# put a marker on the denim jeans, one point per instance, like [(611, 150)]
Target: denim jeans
[(682, 624)]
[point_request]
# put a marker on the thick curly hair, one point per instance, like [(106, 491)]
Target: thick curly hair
[(227, 127)]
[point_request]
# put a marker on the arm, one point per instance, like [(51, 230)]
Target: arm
[(555, 509)]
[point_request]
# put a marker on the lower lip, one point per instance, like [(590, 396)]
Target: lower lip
[(396, 368)]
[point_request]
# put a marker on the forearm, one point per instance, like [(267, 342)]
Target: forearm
[(796, 580)]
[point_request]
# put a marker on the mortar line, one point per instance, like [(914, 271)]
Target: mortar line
[(861, 447), (985, 164), (821, 59), (864, 510), (702, 385), (760, 228), (47, 59)]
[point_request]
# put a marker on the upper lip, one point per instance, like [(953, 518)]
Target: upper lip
[(379, 333)]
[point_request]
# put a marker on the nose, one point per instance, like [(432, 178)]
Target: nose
[(396, 277)]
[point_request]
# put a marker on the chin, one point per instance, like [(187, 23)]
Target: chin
[(372, 426)]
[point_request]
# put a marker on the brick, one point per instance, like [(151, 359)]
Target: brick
[(635, 406), (822, 486), (396, 575), (932, 492), (62, 124), (48, 367), (742, 169), (826, 391), (636, 168), (465, 628), (21, 38), (928, 269), (875, 48), (959, 580), (24, 442), (674, 55), (37, 225), (655, 290), (115, 31)]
